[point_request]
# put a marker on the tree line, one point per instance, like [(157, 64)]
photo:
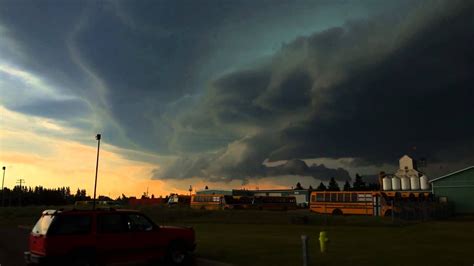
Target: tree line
[(24, 196), (357, 185)]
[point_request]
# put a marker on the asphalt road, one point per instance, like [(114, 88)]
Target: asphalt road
[(14, 241)]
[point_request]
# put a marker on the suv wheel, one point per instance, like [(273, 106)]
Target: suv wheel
[(177, 254)]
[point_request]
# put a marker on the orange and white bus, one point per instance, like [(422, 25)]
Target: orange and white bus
[(207, 202), (348, 202)]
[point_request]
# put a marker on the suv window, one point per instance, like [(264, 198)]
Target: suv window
[(70, 225), (139, 223), (41, 227), (111, 223)]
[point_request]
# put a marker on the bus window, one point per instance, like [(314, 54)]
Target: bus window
[(333, 197), (313, 198), (364, 197), (347, 197), (354, 197), (340, 197), (320, 197), (326, 197)]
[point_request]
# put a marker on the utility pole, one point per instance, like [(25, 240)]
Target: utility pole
[(3, 190), (190, 190), (20, 181), (98, 137)]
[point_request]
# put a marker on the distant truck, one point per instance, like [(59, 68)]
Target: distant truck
[(96, 237)]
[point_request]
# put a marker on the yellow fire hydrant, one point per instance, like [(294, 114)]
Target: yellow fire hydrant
[(323, 239)]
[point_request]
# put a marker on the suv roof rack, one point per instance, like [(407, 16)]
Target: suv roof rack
[(51, 212)]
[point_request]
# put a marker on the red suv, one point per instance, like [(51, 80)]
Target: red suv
[(91, 237)]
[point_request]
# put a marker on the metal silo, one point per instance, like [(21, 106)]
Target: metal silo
[(415, 183), (424, 183), (396, 183), (405, 181), (387, 183)]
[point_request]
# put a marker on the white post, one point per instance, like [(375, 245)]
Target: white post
[(304, 240)]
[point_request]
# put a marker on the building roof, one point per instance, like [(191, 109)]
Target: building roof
[(214, 191), (453, 173)]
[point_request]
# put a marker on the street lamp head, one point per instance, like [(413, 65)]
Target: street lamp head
[(97, 137), (3, 168)]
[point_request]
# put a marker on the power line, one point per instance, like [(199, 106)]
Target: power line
[(20, 181)]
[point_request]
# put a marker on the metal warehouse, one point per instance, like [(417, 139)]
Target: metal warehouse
[(457, 188)]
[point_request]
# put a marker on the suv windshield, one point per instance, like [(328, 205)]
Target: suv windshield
[(43, 224)]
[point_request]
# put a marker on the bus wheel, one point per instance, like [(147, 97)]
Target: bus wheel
[(337, 212), (388, 213)]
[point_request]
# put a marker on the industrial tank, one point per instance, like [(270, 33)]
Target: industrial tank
[(415, 183), (387, 183), (405, 182), (396, 183), (424, 183)]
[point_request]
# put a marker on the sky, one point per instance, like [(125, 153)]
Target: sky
[(232, 94)]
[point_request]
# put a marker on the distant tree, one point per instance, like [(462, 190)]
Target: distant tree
[(78, 194), (321, 187), (206, 188), (347, 186), (333, 186), (310, 187), (298, 186), (359, 184)]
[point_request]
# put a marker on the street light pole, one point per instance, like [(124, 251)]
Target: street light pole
[(3, 191), (96, 168)]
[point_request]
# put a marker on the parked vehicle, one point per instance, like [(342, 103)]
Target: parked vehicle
[(208, 202), (90, 237)]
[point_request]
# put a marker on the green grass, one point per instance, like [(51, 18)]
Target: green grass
[(438, 243), (274, 238)]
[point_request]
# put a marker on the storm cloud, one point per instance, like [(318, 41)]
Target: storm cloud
[(215, 89), (369, 90)]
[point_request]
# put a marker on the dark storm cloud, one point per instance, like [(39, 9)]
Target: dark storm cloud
[(419, 95), (58, 109), (370, 90), (299, 167)]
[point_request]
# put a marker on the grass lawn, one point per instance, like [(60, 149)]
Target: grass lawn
[(274, 238), (434, 243)]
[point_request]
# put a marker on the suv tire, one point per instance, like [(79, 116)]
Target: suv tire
[(177, 254)]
